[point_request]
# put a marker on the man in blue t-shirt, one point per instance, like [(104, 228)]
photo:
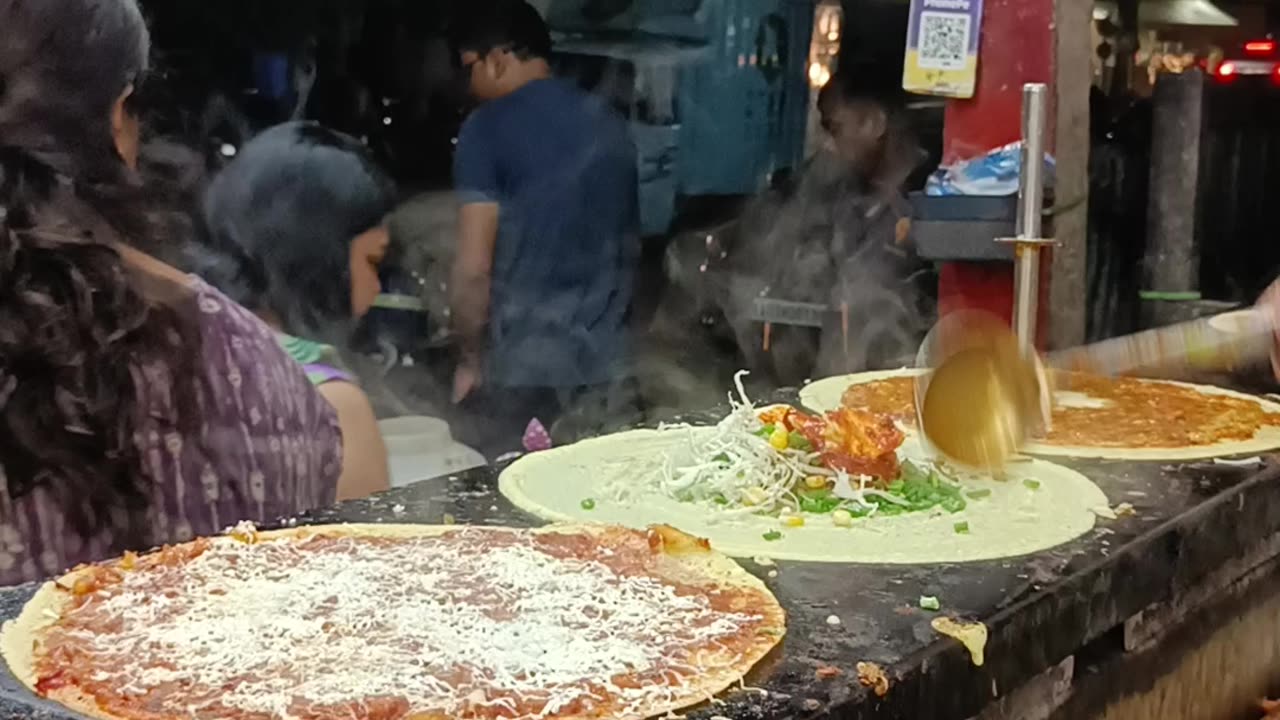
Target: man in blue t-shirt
[(548, 231)]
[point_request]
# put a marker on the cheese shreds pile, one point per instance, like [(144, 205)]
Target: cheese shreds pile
[(457, 626)]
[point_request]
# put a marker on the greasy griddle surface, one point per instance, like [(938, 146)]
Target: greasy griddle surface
[(1191, 517)]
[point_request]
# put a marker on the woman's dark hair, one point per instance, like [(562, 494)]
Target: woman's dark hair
[(280, 220), (511, 24), (76, 322)]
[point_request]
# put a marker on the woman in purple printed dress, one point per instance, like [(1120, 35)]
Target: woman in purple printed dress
[(137, 405)]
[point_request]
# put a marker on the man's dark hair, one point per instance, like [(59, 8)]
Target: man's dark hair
[(861, 83), (502, 24)]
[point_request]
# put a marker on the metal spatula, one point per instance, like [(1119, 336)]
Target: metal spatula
[(986, 395)]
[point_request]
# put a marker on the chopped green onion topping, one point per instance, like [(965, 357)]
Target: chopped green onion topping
[(773, 535), (962, 528), (923, 489), (796, 441), (1032, 484), (818, 501), (979, 494), (588, 504), (766, 431), (928, 602)]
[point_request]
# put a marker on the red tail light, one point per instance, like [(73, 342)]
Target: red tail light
[(1226, 71), (1260, 47)]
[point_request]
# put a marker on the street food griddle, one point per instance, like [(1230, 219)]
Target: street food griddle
[(1200, 531)]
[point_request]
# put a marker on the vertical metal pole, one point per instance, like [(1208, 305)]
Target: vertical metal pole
[(1030, 207)]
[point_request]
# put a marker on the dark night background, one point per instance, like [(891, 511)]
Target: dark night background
[(384, 50), (385, 74)]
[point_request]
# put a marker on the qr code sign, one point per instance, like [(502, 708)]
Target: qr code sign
[(944, 40)]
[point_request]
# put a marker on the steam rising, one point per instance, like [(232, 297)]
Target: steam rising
[(826, 241)]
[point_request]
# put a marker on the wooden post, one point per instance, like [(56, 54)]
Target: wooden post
[(1068, 296)]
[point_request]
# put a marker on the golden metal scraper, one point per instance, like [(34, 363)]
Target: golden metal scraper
[(982, 399), (986, 395)]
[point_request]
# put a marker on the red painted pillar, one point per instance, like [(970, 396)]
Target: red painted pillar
[(1016, 47)]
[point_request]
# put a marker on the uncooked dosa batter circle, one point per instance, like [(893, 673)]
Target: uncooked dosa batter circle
[(579, 483)]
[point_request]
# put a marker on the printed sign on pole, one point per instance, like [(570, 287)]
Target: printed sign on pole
[(942, 47)]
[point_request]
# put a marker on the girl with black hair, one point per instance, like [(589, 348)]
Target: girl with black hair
[(295, 225), (137, 404)]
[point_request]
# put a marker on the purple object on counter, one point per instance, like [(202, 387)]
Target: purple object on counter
[(536, 437)]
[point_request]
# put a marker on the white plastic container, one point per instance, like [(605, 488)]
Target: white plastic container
[(421, 448)]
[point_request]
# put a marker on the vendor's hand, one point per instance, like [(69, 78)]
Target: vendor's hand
[(466, 378), (1270, 302)]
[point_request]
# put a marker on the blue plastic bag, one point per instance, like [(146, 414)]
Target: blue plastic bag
[(994, 174)]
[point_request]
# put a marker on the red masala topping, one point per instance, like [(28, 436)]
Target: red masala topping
[(860, 442)]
